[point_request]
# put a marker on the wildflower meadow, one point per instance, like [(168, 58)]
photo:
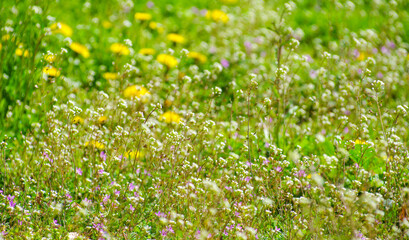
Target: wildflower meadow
[(204, 119)]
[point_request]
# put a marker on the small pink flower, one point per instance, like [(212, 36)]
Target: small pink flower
[(79, 171), (225, 63)]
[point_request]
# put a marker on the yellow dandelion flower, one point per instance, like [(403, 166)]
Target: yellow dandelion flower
[(106, 24), (5, 37), (133, 154), (110, 75), (50, 58), (170, 117), (120, 48), (167, 103), (229, 1), (61, 28), (51, 71), (217, 16), (360, 142), (176, 38), (161, 29), (153, 25), (147, 51), (361, 56), (80, 49), (77, 119), (197, 56), (95, 144), (143, 16), (102, 119), (21, 52), (167, 60), (136, 91)]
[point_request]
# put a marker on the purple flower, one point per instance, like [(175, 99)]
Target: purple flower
[(279, 169), (248, 46), (101, 171), (359, 71), (103, 155), (56, 223), (300, 173), (68, 196), (385, 50), (307, 58), (195, 10), (197, 235), (247, 179), (131, 187), (48, 157), (258, 40), (266, 161), (391, 45), (117, 192), (313, 74), (150, 4), (160, 214), (10, 198), (170, 229), (356, 53), (379, 75), (346, 130), (225, 63), (106, 198), (164, 233), (131, 207), (87, 201), (203, 12), (79, 171)]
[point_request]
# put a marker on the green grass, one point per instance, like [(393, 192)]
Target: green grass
[(294, 127)]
